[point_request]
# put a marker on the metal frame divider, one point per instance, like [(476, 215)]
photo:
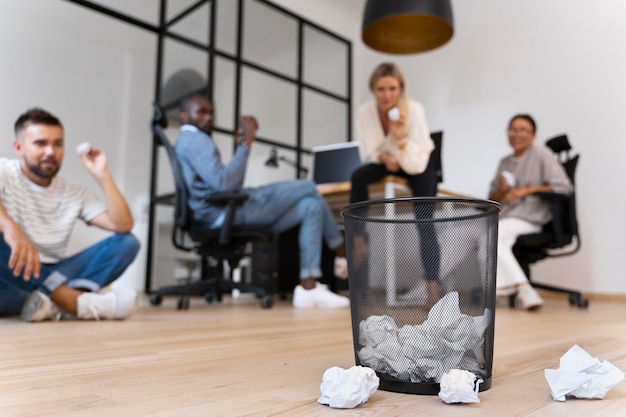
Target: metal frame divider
[(161, 32)]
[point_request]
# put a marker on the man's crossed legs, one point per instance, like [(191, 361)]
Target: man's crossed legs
[(72, 286)]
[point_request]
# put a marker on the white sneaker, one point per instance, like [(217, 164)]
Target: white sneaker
[(527, 298), (418, 295), (117, 304), (39, 307), (341, 267), (318, 297), (506, 291)]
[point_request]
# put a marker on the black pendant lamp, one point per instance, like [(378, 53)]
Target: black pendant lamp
[(407, 26)]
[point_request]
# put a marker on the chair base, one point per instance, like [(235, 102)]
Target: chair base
[(210, 289), (214, 284), (575, 297), (526, 259)]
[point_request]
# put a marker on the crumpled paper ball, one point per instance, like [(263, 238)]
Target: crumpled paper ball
[(582, 376), (459, 386), (447, 340), (83, 147), (347, 388)]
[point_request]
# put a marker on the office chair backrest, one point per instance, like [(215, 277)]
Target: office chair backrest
[(181, 210), (570, 221), (559, 144), (561, 147), (565, 226)]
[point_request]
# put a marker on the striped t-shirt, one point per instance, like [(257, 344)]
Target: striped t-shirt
[(46, 214)]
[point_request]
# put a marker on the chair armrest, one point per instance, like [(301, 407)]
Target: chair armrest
[(231, 200), (552, 196), (227, 198)]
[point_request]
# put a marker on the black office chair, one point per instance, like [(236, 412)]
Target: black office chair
[(560, 236), (226, 243)]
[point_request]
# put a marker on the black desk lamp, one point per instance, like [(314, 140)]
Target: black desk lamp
[(274, 158)]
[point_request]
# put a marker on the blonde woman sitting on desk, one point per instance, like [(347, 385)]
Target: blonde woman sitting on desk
[(395, 140)]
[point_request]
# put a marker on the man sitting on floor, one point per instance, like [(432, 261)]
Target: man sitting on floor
[(38, 210)]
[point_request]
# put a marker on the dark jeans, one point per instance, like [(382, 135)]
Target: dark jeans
[(91, 269), (422, 185)]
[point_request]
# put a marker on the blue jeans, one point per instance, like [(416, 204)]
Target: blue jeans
[(91, 269), (283, 205)]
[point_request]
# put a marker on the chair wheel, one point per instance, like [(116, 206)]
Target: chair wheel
[(156, 299), (578, 301), (183, 303), (267, 301), (208, 296), (512, 298)]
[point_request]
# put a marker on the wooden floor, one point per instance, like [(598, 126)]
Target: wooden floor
[(236, 359)]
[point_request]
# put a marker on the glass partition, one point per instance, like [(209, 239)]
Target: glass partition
[(326, 60), (147, 11), (249, 57), (195, 24), (324, 120), (270, 38), (273, 102)]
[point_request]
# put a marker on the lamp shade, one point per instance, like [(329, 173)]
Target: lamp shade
[(407, 26)]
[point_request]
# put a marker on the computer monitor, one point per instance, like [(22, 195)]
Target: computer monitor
[(334, 163)]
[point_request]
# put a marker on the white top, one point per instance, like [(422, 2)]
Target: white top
[(413, 159), (46, 214)]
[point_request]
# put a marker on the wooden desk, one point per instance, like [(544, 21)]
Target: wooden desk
[(338, 194)]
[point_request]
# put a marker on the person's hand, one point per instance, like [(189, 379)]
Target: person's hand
[(95, 161), (402, 143), (514, 194), (248, 126), (24, 259), (398, 130), (390, 162), (503, 184)]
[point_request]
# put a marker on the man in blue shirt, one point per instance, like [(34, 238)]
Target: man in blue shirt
[(279, 206)]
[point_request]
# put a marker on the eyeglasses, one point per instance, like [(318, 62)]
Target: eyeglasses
[(519, 130)]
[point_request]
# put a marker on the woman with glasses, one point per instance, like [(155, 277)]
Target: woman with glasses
[(528, 170)]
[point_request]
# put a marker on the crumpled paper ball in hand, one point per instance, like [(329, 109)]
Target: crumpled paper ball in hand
[(582, 376), (347, 388), (459, 386)]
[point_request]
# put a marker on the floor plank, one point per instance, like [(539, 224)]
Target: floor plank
[(236, 359)]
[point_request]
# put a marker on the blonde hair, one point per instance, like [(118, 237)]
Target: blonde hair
[(389, 69)]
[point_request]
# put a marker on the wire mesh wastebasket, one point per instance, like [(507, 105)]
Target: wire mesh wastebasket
[(422, 288)]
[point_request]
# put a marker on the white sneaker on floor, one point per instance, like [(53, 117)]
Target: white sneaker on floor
[(418, 295), (39, 307), (318, 297), (527, 298), (506, 291), (341, 267), (117, 304)]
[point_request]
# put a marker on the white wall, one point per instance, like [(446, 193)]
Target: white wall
[(559, 60), (96, 75)]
